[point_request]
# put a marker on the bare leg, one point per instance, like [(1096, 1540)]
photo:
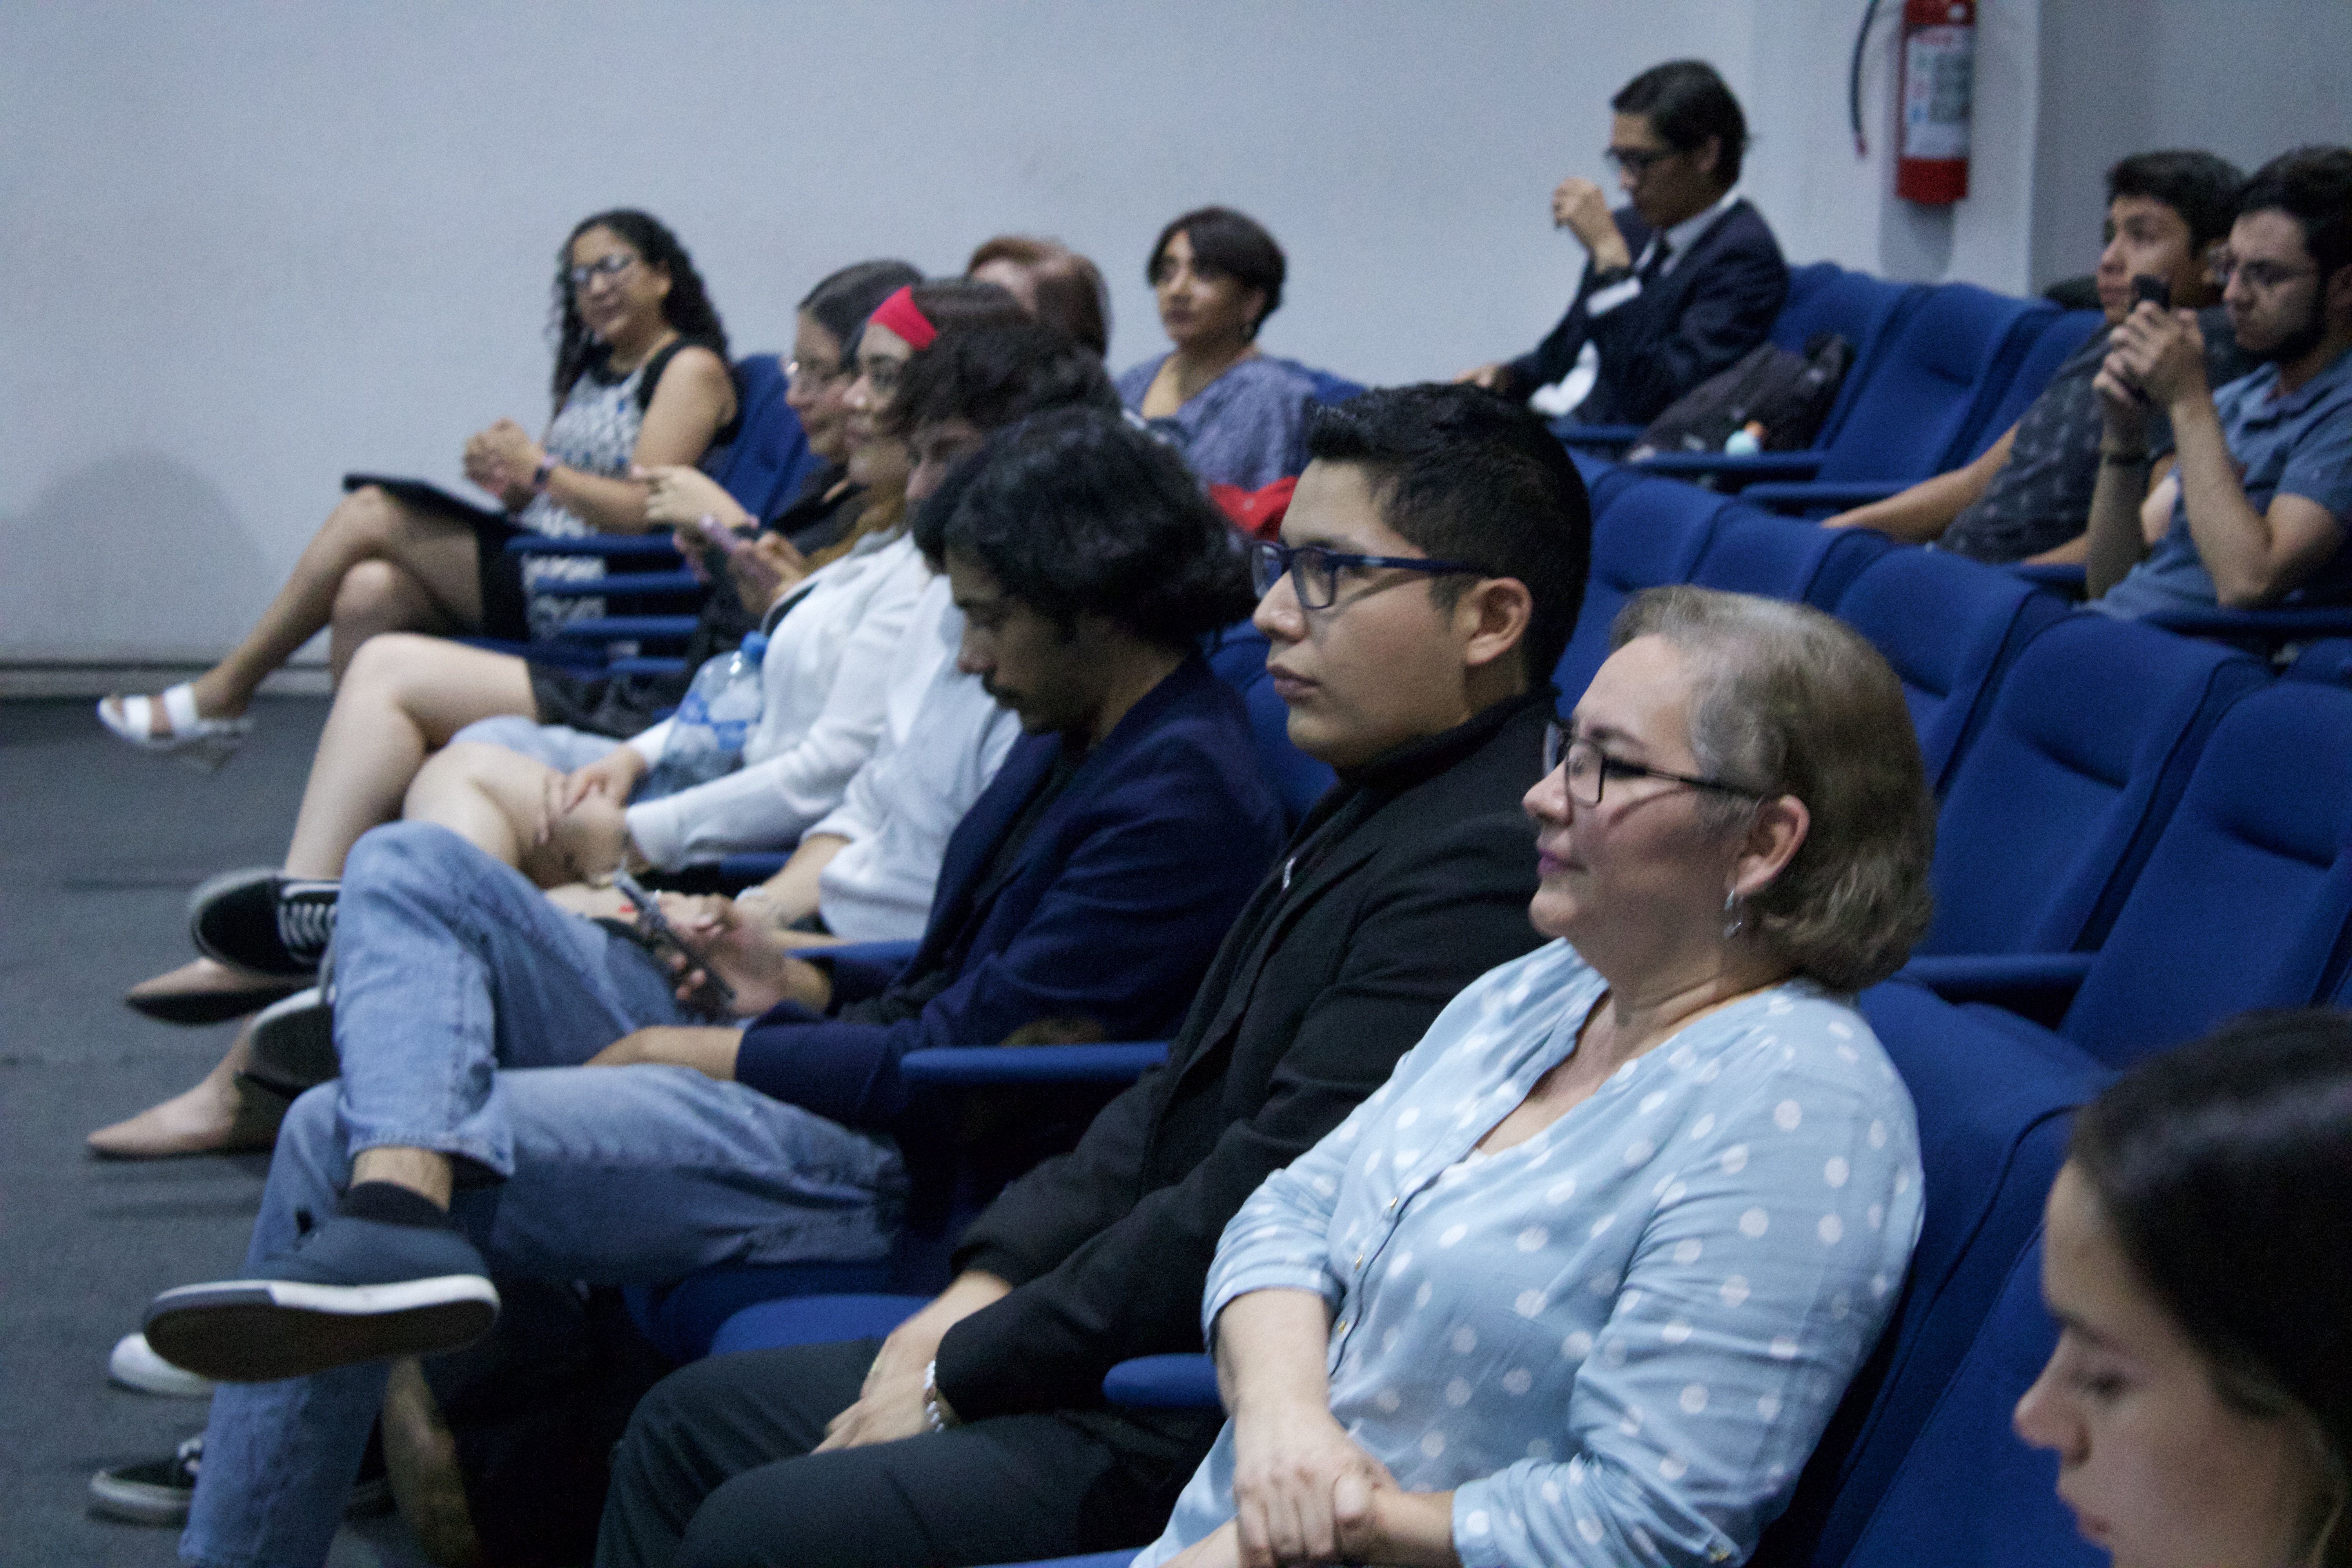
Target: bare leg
[(379, 597), (217, 1114), (494, 799), (401, 700), (421, 1455), (435, 552)]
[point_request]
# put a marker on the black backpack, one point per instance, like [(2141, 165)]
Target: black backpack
[(1788, 395)]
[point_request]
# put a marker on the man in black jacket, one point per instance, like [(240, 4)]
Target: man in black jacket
[(1429, 574), (1680, 283)]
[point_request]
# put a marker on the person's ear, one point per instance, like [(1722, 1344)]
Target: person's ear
[(1255, 302), (1774, 836), (1492, 619), (1708, 156), (2336, 296)]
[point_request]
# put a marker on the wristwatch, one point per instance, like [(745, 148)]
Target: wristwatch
[(548, 464)]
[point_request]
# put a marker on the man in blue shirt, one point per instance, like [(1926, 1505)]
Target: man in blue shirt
[(2260, 495)]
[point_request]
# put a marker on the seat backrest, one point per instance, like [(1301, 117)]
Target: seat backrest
[(1328, 388), (1993, 1103), (1238, 657), (1856, 306), (1646, 532), (1970, 1493), (2050, 349), (1750, 551), (1951, 627), (1911, 413), (765, 465), (2246, 900), (2059, 799)]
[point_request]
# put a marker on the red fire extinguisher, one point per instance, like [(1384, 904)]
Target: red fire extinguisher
[(1939, 57)]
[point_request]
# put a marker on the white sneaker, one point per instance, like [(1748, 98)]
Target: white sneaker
[(133, 1365)]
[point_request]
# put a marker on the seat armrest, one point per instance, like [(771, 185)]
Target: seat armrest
[(1734, 472), (890, 954), (2286, 623), (1164, 1382), (2064, 578), (2038, 986), (1781, 495), (652, 548), (1573, 434), (970, 1067)]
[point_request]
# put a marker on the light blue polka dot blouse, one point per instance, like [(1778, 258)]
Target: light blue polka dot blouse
[(1617, 1341)]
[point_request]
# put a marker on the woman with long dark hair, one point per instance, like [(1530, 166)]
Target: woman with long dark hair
[(2199, 1399), (640, 380)]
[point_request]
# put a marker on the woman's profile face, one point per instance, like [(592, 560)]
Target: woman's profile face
[(1644, 855), (2160, 1469), (619, 294), (817, 385), (1199, 303), (881, 354)]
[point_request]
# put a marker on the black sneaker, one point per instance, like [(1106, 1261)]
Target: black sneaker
[(264, 921), (350, 1290), (157, 1492), (293, 1042)]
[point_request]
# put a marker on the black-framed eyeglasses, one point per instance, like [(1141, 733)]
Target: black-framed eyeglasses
[(609, 268), (2261, 276), (1590, 768), (1315, 571), (1639, 161)]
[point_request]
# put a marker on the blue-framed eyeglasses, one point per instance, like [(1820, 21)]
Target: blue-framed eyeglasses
[(1590, 769), (610, 267), (1315, 571)]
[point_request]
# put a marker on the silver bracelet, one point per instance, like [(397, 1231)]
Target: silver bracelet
[(936, 1410)]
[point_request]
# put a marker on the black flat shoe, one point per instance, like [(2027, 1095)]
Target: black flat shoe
[(209, 1006)]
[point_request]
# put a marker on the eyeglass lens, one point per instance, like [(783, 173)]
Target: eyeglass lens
[(610, 267)]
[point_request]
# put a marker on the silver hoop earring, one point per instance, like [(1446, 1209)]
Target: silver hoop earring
[(1735, 917)]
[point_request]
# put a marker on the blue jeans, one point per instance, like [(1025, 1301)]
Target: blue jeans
[(464, 998)]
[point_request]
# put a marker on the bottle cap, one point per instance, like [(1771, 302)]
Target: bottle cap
[(754, 646)]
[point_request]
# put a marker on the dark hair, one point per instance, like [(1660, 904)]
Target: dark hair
[(687, 308), (2200, 187), (1077, 512), (1466, 476), (1789, 701), (996, 373), (1234, 243), (1071, 296), (1685, 102), (2312, 186), (2224, 1170), (950, 303), (841, 303)]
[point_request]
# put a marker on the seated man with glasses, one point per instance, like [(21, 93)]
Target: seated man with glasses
[(1431, 564), (1677, 284), (2260, 495)]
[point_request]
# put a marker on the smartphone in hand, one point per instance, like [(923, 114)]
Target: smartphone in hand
[(2154, 291), (713, 998)]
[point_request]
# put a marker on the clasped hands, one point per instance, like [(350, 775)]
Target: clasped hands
[(1304, 1492), (503, 460)]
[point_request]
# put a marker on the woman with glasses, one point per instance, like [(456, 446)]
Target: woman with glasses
[(641, 378), (1582, 1283), (1238, 417)]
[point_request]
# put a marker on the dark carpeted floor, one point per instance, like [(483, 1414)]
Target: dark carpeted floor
[(100, 848)]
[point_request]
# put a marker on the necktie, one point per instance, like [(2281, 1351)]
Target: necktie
[(1657, 261)]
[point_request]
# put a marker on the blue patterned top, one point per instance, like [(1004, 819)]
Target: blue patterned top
[(1619, 1341), (1247, 427)]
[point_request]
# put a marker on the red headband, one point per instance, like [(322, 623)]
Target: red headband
[(903, 316)]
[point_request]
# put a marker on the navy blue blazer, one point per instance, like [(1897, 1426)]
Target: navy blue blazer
[(1719, 303), (1111, 910)]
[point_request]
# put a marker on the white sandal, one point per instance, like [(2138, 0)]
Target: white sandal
[(203, 743)]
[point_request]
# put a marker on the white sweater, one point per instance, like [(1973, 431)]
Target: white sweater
[(824, 685)]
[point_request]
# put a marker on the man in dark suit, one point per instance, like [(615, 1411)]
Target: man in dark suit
[(1085, 890), (1680, 283), (1429, 574)]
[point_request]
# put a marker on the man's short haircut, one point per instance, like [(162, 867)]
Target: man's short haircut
[(841, 303), (1234, 243), (2312, 186), (1071, 294), (1465, 476), (996, 373), (1687, 103), (1077, 512), (2202, 189)]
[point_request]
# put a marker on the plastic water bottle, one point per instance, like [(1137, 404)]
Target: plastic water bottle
[(707, 733)]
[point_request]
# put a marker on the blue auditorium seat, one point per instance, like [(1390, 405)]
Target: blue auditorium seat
[(1328, 388), (813, 1321), (1950, 628), (2059, 800), (1970, 1493), (2328, 660), (2056, 343), (2245, 900), (1753, 551), (1239, 659), (1994, 1111), (1646, 532)]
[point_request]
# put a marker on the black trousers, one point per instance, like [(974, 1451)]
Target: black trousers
[(715, 1470)]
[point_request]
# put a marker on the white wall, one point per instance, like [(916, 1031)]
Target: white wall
[(250, 246)]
